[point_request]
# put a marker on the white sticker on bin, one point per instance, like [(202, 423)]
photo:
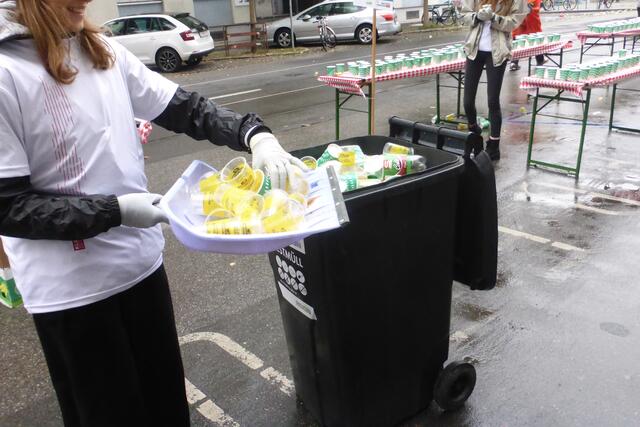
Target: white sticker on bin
[(302, 306)]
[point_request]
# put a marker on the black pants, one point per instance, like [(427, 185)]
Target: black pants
[(117, 362), (472, 73)]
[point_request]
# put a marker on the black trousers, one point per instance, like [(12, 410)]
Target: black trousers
[(117, 362), (473, 71)]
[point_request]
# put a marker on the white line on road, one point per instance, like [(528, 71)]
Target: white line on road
[(214, 413), (193, 394), (596, 210), (273, 94), (228, 345), (523, 235), (244, 92), (538, 239), (276, 378)]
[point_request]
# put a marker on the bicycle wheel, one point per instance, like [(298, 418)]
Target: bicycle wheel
[(329, 40), (547, 4), (570, 4), (608, 3), (447, 17)]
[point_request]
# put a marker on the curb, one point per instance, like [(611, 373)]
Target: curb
[(433, 30), (299, 51), (557, 12)]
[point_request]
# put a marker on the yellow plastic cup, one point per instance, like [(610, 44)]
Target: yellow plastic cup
[(240, 202), (204, 203), (310, 162), (209, 182), (298, 198), (238, 173), (283, 221), (297, 183), (274, 201), (233, 226)]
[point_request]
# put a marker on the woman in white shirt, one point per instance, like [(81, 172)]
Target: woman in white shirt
[(80, 228), (488, 46)]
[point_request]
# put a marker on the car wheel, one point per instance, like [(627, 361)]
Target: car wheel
[(194, 61), (168, 60), (364, 34), (283, 38)]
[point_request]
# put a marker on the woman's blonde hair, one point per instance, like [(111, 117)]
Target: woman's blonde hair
[(505, 8), (47, 26)]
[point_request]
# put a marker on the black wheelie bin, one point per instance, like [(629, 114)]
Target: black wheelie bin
[(366, 307)]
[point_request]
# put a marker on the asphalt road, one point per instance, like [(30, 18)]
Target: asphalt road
[(556, 343)]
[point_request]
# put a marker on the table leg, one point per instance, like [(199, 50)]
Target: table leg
[(369, 102), (437, 98), (613, 106), (459, 92), (585, 114), (337, 114), (533, 126)]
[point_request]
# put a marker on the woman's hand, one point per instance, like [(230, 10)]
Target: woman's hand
[(485, 13)]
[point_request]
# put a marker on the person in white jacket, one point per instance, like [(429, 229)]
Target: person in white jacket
[(79, 226)]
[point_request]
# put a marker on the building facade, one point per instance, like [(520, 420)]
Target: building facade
[(225, 12)]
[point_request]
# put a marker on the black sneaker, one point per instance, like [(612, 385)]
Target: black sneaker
[(493, 149), (475, 128)]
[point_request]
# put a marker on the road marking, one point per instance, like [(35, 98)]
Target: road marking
[(596, 210), (193, 394), (567, 247), (208, 408), (244, 92), (592, 193), (228, 345), (273, 94), (214, 413), (538, 239), (276, 378), (524, 235)]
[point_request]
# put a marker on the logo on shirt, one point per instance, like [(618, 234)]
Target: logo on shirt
[(78, 245)]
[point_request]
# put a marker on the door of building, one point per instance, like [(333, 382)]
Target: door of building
[(214, 12)]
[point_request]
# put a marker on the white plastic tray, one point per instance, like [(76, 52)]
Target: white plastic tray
[(325, 212)]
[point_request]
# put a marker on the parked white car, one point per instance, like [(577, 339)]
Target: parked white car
[(166, 40), (349, 21)]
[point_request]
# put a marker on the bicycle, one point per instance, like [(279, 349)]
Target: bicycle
[(327, 35), (548, 4), (570, 4), (447, 15), (606, 3)]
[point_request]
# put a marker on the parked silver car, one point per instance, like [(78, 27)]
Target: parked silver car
[(350, 22)]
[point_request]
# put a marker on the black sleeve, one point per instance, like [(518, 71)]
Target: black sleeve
[(27, 214), (201, 118)]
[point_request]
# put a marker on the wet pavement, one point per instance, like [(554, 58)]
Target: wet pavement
[(556, 343)]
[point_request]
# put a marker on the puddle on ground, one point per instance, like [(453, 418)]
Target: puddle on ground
[(472, 312), (614, 329)]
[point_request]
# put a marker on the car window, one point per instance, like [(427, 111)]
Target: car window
[(116, 28), (141, 25), (192, 22), (166, 25), (343, 8), (322, 10)]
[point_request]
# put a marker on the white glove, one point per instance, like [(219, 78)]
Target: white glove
[(141, 210), (485, 14), (276, 163)]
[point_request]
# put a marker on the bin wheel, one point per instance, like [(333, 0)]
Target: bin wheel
[(454, 385)]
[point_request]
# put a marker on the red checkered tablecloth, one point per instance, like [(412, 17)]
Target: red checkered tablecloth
[(576, 88), (584, 35), (529, 51), (353, 85)]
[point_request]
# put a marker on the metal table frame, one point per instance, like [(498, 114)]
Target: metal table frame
[(585, 102), (458, 76), (587, 46)]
